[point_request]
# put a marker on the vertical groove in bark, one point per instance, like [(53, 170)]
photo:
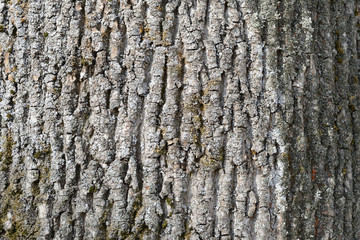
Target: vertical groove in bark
[(355, 116), (179, 119)]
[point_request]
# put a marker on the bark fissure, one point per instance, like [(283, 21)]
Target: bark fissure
[(159, 119)]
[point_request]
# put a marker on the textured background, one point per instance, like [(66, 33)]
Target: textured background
[(211, 119)]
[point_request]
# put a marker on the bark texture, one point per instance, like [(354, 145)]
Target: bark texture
[(193, 119)]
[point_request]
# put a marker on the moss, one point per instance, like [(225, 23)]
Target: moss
[(6, 154), (286, 156), (141, 230), (9, 116), (210, 162), (164, 225), (196, 136), (253, 152), (170, 202), (17, 231), (12, 92), (214, 159), (179, 70), (190, 107), (160, 151), (137, 204), (46, 34), (124, 235), (352, 107), (164, 39), (197, 120), (85, 62), (356, 79), (221, 154), (136, 210), (356, 12), (339, 60), (44, 174), (92, 189), (12, 201), (187, 233), (338, 47), (35, 188), (44, 153), (211, 85), (2, 29), (103, 220), (37, 154), (44, 171)]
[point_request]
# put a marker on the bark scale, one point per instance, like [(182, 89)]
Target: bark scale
[(211, 119)]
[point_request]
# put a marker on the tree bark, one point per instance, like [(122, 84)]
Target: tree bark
[(193, 119)]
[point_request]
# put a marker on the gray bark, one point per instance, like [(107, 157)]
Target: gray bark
[(193, 119)]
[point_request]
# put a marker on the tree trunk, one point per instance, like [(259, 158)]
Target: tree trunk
[(194, 119)]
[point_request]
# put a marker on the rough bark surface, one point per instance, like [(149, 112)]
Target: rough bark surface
[(193, 119)]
